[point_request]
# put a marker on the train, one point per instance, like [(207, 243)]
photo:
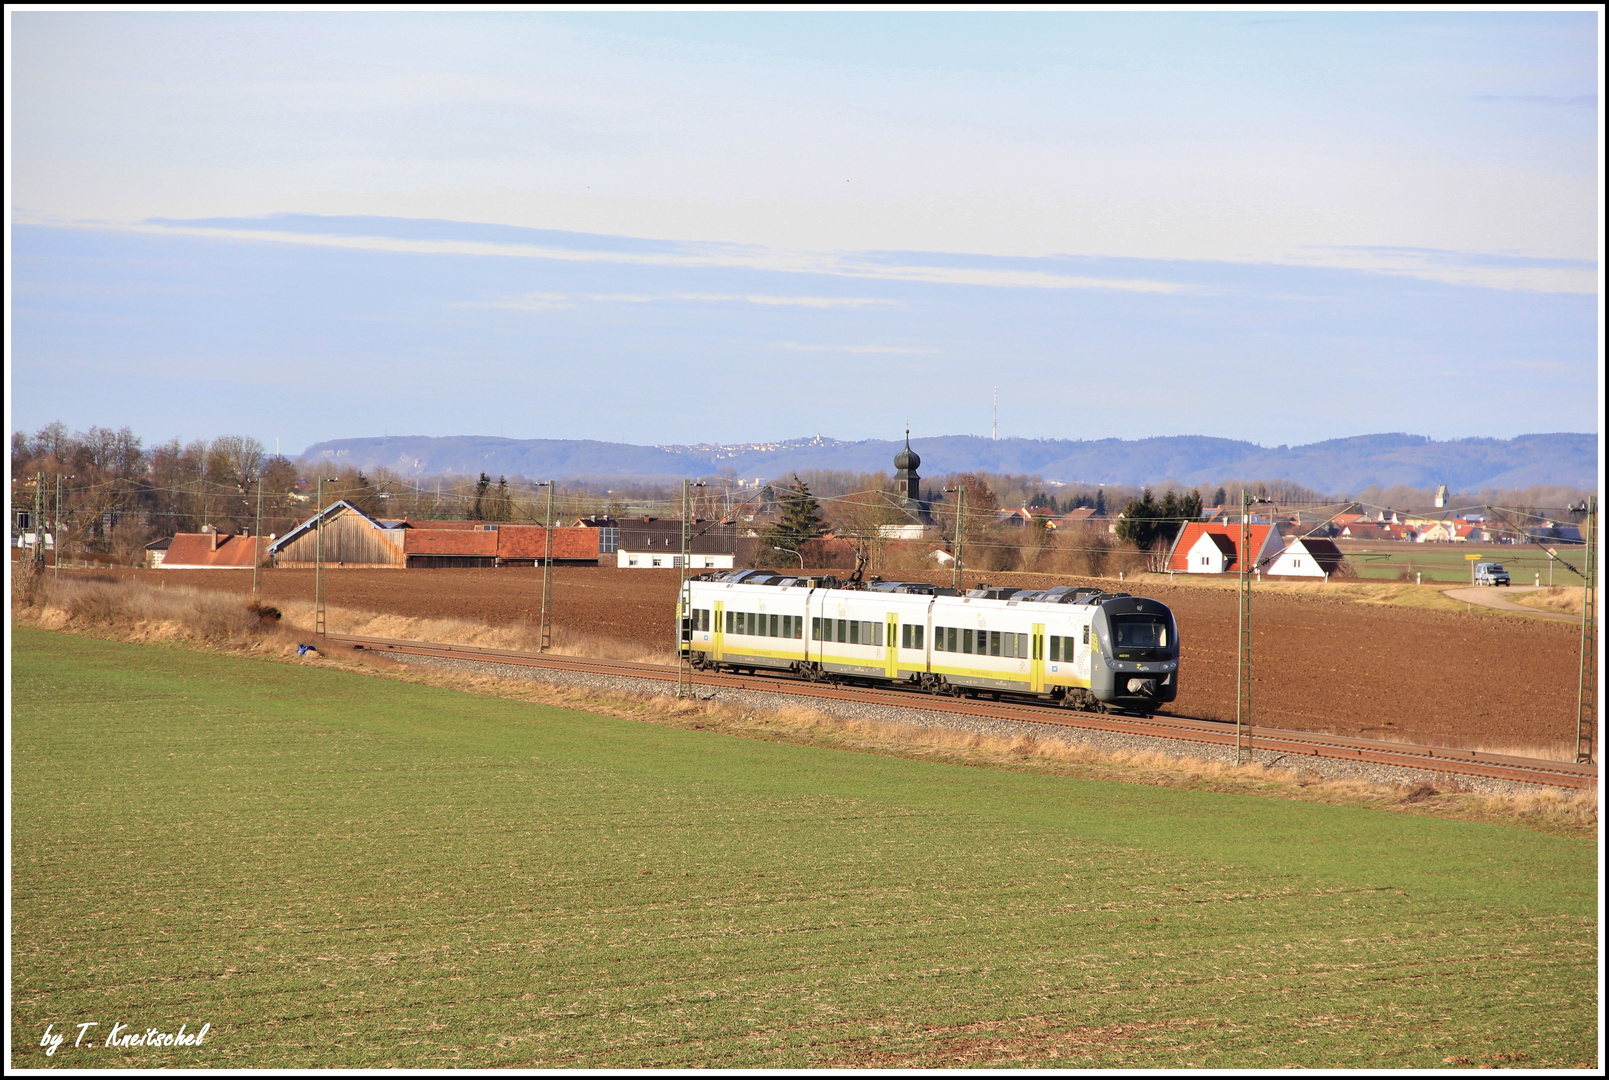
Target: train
[(1082, 648)]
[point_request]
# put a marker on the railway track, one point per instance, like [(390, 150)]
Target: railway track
[(1266, 741)]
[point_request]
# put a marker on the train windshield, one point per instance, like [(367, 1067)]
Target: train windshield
[(1140, 631)]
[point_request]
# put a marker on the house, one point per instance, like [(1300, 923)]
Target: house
[(1204, 547), (1016, 519), (1077, 516), (156, 551), (213, 550), (1370, 530), (1306, 556), (649, 542)]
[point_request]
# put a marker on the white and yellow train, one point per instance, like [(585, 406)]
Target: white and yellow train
[(1080, 647)]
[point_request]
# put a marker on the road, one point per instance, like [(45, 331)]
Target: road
[(1489, 596)]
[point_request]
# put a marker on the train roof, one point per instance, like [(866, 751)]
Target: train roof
[(1083, 595)]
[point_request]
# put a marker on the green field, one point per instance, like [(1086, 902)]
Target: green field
[(340, 870), (1445, 563)]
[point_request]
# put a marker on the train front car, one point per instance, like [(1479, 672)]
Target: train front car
[(1134, 661)]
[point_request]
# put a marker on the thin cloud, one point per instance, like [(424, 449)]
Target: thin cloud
[(550, 301), (701, 257), (769, 301), (794, 346), (1578, 101)]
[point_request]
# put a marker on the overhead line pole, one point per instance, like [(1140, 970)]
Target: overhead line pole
[(320, 616), (1587, 697), (546, 628), (1243, 751), (256, 543), (55, 529), (39, 520)]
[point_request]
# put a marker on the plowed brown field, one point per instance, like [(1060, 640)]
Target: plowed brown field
[(1321, 663)]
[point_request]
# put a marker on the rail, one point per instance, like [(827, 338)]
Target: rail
[(1276, 742)]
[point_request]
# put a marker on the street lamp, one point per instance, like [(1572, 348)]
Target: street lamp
[(790, 551)]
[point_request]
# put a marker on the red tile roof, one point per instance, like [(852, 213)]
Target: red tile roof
[(1226, 537), (527, 542), (503, 542), (213, 551), (449, 542)]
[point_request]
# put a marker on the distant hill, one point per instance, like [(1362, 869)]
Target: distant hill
[(1337, 466)]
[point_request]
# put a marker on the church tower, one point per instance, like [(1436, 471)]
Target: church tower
[(906, 482)]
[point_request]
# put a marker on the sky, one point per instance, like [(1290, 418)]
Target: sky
[(663, 227)]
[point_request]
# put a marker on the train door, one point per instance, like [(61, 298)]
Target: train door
[(891, 652), (1036, 659), (720, 629), (1082, 667)]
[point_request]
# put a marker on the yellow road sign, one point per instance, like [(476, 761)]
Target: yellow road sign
[(1474, 558)]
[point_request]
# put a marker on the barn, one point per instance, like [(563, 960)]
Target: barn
[(351, 538), (354, 539)]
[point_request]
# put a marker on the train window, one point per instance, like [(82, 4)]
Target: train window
[(1139, 632), (876, 629), (905, 637), (815, 628), (952, 639), (918, 630), (787, 626), (938, 639), (994, 643), (843, 630), (775, 632), (729, 622), (854, 631), (966, 640), (753, 621), (798, 626), (1055, 647)]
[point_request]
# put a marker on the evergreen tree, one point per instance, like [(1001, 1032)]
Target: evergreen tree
[(500, 504), (1219, 496), (477, 509), (1100, 502), (1147, 522), (801, 518)]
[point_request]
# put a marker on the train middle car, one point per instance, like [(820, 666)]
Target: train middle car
[(1079, 647)]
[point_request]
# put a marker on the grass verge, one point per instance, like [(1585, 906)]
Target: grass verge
[(136, 612), (342, 871)]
